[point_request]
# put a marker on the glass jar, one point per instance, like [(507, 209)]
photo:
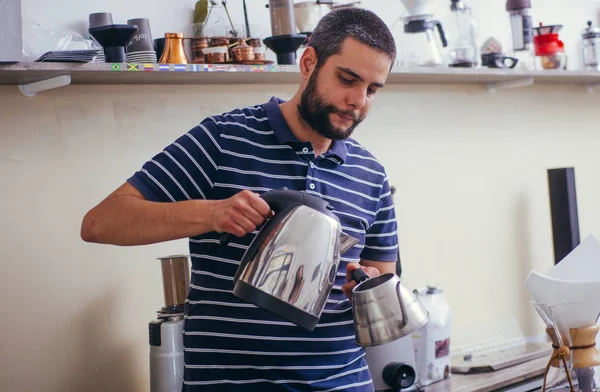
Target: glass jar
[(590, 48), (549, 49), (461, 31)]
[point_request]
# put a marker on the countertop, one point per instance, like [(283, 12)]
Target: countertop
[(492, 381)]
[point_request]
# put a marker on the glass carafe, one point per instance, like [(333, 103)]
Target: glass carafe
[(461, 30), (575, 362), (420, 46)]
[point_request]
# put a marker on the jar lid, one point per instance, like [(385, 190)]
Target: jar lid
[(242, 46), (591, 32), (458, 5), (216, 49), (543, 30), (513, 5)]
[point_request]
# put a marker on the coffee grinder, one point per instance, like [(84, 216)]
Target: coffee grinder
[(284, 40), (166, 332)]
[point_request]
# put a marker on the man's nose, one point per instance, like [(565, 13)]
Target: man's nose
[(357, 98)]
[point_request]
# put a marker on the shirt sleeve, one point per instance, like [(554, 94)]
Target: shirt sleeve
[(381, 242), (185, 169)]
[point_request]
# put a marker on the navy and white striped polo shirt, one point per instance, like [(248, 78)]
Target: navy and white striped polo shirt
[(231, 345)]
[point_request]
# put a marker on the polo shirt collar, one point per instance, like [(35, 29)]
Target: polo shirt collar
[(284, 133)]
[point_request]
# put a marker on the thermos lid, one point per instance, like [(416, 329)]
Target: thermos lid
[(458, 5), (591, 32), (513, 5)]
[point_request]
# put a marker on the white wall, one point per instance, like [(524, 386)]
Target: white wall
[(470, 168)]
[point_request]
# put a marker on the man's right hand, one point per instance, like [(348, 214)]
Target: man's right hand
[(240, 214)]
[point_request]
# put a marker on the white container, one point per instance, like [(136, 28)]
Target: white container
[(432, 342)]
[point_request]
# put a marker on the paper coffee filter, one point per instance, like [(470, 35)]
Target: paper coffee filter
[(548, 290), (582, 264), (568, 295)]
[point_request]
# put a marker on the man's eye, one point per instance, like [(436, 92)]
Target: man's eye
[(346, 81), (371, 91)]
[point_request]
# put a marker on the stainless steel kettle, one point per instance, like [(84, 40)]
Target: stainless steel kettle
[(290, 266), (384, 309)]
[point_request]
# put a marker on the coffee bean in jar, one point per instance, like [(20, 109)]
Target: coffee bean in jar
[(198, 44), (242, 52), (219, 41), (215, 55), (259, 53), (254, 42)]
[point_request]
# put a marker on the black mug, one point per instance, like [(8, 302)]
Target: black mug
[(498, 60)]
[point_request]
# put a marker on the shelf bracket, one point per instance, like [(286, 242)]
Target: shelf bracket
[(31, 89), (591, 87), (507, 84)]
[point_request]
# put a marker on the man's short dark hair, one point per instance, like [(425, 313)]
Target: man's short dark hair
[(357, 23)]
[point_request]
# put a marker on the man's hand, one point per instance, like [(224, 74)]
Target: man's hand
[(347, 288), (240, 214)]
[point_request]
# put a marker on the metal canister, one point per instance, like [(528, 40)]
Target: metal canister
[(173, 52), (176, 281)]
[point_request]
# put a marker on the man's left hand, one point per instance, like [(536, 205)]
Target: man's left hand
[(347, 288)]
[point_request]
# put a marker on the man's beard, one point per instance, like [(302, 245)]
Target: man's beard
[(315, 111)]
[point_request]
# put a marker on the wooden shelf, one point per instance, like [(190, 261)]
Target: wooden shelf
[(104, 73)]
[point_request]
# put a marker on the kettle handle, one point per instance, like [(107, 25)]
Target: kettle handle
[(359, 275), (277, 199), (440, 29), (402, 306)]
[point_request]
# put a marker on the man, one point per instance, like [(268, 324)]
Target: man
[(209, 182)]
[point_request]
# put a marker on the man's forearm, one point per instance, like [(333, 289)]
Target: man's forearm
[(127, 220)]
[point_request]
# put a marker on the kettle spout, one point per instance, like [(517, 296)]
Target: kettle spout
[(346, 242)]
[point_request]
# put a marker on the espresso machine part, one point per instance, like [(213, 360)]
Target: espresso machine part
[(166, 333), (176, 282), (590, 48), (166, 355), (384, 309), (308, 13), (462, 31), (419, 45), (113, 38), (290, 266), (521, 25), (418, 7), (284, 40), (11, 43), (392, 365)]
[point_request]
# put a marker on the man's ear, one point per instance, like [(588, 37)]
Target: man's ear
[(308, 62)]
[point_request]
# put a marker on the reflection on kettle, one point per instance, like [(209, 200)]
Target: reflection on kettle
[(302, 236), (298, 283)]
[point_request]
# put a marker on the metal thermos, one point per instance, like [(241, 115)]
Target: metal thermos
[(166, 333)]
